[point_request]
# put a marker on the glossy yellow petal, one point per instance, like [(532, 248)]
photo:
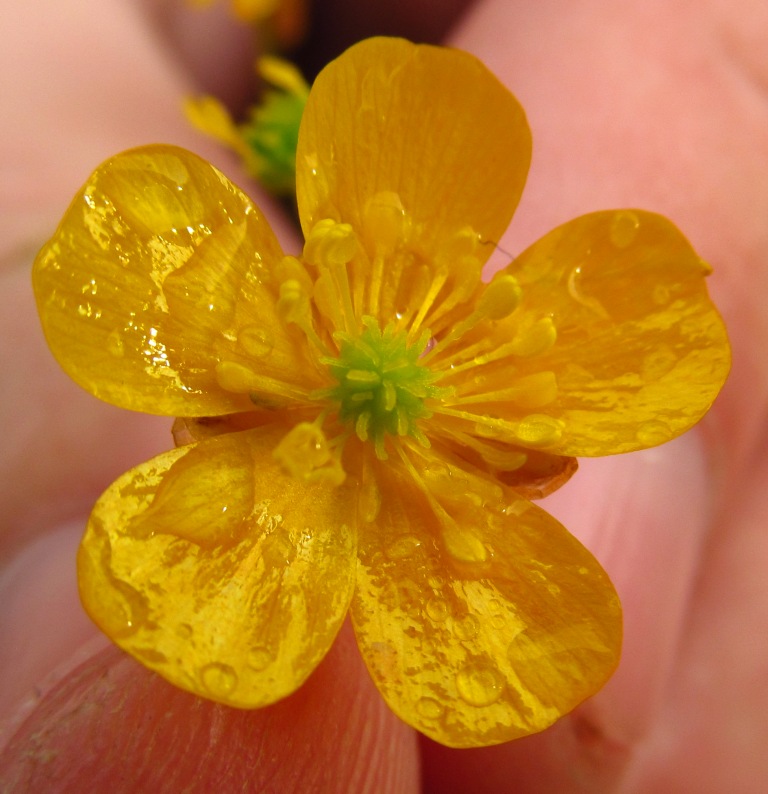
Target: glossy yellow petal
[(615, 345), (159, 272), (477, 653), (424, 153), (214, 568)]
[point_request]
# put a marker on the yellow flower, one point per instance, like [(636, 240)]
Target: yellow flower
[(370, 419), (266, 141), (283, 20)]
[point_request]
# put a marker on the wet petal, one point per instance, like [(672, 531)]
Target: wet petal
[(615, 345), (424, 153), (477, 653), (215, 569), (158, 272)]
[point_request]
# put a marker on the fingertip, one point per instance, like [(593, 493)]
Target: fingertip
[(112, 725)]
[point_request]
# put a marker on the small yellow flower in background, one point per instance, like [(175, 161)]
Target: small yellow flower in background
[(282, 22), (366, 422), (266, 142)]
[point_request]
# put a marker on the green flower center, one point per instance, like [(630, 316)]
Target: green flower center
[(382, 387)]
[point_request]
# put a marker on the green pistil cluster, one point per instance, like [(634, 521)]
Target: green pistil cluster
[(382, 387), (272, 133)]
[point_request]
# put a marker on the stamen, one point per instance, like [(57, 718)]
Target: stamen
[(531, 340), (387, 225), (437, 283), (529, 391), (239, 379), (499, 299), (294, 307), (535, 430), (459, 542), (331, 246)]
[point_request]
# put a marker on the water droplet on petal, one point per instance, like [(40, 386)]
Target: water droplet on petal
[(402, 547), (624, 228), (115, 345), (466, 628), (436, 610), (219, 679), (652, 433), (539, 430), (255, 341), (278, 550), (429, 708), (260, 658), (658, 363), (479, 685), (184, 630)]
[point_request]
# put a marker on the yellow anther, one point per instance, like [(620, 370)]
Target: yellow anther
[(362, 424), (293, 303), (500, 298), (236, 378), (363, 376), (305, 453), (462, 544), (289, 268), (283, 74), (330, 243), (210, 116), (390, 396), (534, 340), (386, 221)]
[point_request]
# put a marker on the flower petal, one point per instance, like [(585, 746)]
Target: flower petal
[(615, 345), (413, 146), (477, 653), (158, 272), (220, 572)]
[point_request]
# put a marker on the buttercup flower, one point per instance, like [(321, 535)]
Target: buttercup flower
[(367, 422), (283, 20), (266, 141)]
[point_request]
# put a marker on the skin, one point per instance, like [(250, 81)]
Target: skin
[(660, 105)]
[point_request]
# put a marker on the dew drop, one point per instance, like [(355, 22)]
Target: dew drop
[(436, 610), (435, 581), (115, 345), (278, 551), (495, 606), (498, 622), (260, 658), (479, 685), (219, 679), (129, 612), (539, 430), (255, 341), (184, 630), (402, 547), (497, 615), (652, 433), (658, 363), (624, 228), (466, 628), (429, 708)]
